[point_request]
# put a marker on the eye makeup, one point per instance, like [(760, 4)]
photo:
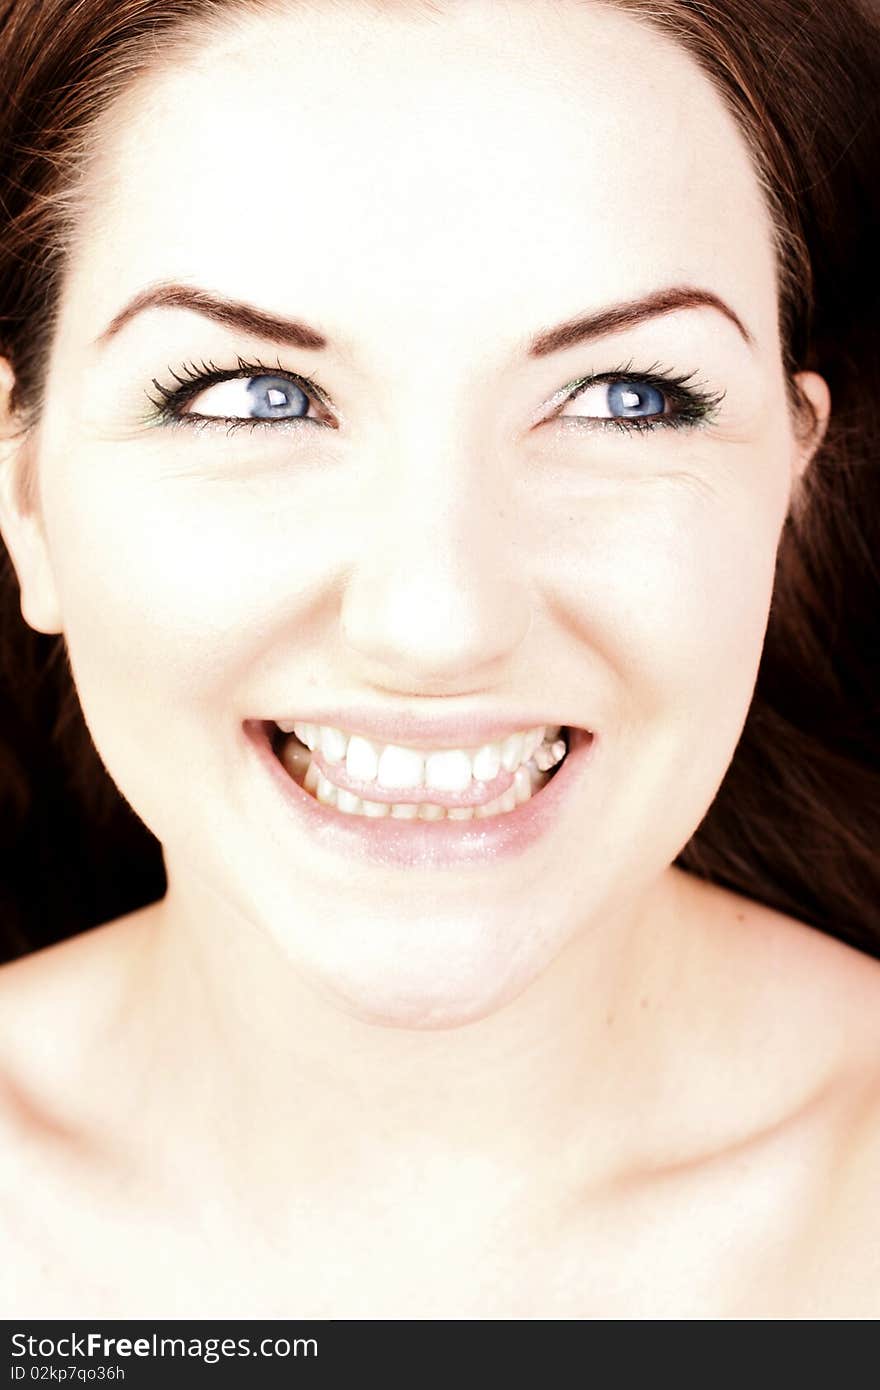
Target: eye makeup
[(686, 403), (170, 405)]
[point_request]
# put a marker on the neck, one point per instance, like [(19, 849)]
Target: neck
[(277, 1071)]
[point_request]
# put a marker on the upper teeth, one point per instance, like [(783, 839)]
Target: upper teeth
[(449, 769)]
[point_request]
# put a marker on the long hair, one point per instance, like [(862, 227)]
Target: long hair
[(796, 821)]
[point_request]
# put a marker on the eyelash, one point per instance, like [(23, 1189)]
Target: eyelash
[(691, 403), (192, 380)]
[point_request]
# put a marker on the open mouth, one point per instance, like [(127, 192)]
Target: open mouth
[(358, 776)]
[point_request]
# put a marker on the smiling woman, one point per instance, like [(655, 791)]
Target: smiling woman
[(447, 686)]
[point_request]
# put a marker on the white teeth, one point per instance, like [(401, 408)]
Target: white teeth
[(400, 767), (548, 756), (533, 739), (333, 744), (448, 772), (529, 755), (511, 752), (325, 792), (522, 783), (396, 766), (361, 759), (526, 781), (487, 762)]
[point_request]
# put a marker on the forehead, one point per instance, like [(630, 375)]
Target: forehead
[(488, 168)]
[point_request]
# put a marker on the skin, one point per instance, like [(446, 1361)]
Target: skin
[(573, 1083)]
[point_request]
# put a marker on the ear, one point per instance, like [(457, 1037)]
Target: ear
[(21, 524), (813, 412)]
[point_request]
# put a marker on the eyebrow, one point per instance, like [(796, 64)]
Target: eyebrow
[(293, 332), (227, 311), (629, 314)]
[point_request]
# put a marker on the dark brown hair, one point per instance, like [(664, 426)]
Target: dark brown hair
[(796, 822)]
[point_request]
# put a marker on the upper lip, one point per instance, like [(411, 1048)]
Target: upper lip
[(422, 731)]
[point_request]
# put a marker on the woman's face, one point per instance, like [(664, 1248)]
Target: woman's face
[(440, 542)]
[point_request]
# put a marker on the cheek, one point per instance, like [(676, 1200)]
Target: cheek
[(181, 585), (668, 582), (667, 585), (173, 596)]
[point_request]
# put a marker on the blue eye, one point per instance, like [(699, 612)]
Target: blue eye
[(251, 398), (205, 395), (617, 400), (272, 396), (627, 399)]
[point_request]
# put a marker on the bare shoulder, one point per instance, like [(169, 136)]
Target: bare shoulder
[(801, 984), (841, 1247), (64, 1071), (813, 1008), (844, 1253), (56, 1006)]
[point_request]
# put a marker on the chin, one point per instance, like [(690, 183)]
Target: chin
[(458, 975), (428, 1010)]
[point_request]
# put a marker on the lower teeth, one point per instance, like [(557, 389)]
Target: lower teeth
[(529, 778)]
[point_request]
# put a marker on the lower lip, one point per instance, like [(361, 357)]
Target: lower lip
[(414, 844)]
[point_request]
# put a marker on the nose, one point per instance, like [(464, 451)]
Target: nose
[(438, 596)]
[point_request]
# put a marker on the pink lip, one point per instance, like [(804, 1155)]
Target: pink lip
[(465, 731), (416, 844)]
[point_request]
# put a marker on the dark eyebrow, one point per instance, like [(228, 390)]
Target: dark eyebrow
[(228, 311), (628, 314), (297, 334)]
